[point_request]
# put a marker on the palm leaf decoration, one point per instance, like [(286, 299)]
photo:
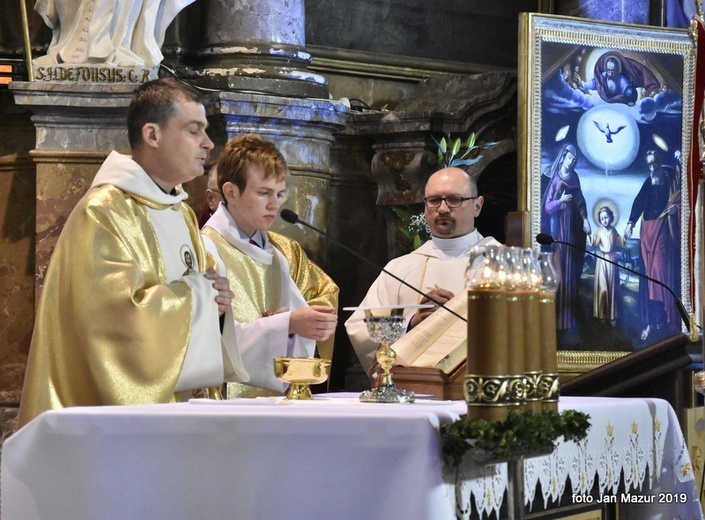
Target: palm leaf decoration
[(451, 152)]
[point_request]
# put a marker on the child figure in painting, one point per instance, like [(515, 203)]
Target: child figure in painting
[(609, 241)]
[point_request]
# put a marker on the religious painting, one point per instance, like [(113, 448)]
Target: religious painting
[(606, 114)]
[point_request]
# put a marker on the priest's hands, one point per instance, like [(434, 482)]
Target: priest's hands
[(316, 322), (440, 296), (222, 285)]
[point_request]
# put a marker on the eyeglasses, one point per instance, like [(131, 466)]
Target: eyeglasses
[(451, 202)]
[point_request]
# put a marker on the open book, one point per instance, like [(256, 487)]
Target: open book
[(439, 341)]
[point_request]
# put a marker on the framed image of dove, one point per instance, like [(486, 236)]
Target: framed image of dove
[(606, 133)]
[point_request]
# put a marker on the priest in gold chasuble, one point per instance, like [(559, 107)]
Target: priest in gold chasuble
[(284, 304), (131, 305)]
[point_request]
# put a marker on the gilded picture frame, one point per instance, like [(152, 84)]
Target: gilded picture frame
[(605, 114)]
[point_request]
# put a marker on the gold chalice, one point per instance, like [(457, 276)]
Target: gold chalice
[(301, 373)]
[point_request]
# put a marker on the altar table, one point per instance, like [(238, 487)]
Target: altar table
[(332, 458)]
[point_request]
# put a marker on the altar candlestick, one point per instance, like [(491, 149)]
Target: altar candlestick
[(486, 380), (532, 330), (547, 305)]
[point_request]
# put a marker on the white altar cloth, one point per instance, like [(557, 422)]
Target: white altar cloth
[(637, 443), (331, 458)]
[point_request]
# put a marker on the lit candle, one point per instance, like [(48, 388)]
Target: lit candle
[(532, 329), (547, 312), (486, 380)]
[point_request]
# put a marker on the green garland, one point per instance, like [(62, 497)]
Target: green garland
[(522, 434)]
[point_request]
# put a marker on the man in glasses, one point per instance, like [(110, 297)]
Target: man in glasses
[(437, 268)]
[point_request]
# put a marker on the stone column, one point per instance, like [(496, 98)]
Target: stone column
[(358, 223), (77, 126), (254, 45), (17, 218), (17, 190)]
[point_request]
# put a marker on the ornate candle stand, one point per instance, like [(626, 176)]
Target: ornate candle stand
[(511, 360)]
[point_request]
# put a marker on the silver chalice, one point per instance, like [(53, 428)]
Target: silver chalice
[(385, 326)]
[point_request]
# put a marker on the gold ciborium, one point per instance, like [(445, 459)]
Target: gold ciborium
[(301, 373)]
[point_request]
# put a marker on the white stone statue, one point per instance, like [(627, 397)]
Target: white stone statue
[(121, 33)]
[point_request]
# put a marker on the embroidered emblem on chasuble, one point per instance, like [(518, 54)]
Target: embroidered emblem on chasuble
[(187, 259)]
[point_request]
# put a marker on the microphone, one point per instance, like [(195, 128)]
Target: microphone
[(546, 240), (292, 218)]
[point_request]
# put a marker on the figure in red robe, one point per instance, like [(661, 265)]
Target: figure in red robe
[(658, 205)]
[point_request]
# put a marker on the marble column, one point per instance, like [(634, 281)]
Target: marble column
[(17, 190), (358, 223), (77, 126), (251, 46), (17, 218)]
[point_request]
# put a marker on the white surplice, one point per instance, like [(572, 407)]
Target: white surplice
[(265, 338), (440, 263)]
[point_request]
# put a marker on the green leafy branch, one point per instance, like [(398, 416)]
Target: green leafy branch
[(453, 153), (522, 434)]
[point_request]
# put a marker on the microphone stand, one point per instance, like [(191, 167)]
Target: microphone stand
[(545, 239)]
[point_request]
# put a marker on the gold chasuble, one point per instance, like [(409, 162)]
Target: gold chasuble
[(110, 328), (257, 286)]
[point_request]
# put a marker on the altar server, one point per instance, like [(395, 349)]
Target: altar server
[(284, 304)]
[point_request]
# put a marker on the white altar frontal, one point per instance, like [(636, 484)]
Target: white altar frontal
[(331, 458)]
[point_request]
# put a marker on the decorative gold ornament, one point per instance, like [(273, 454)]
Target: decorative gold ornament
[(548, 389), (483, 390), (533, 382)]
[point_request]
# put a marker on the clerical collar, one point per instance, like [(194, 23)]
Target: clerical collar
[(174, 192), (256, 238), (457, 246)]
